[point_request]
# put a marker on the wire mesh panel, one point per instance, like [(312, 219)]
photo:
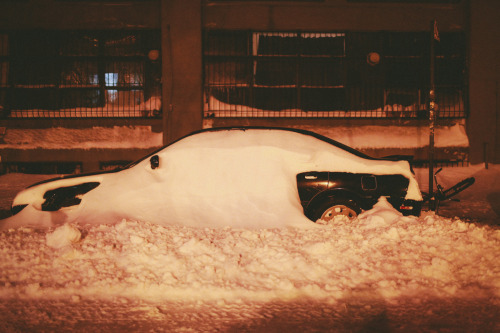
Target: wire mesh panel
[(272, 74), (4, 70), (80, 74), (330, 74)]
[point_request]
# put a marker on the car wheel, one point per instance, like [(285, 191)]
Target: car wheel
[(335, 207)]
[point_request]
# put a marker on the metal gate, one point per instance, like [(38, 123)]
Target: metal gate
[(330, 74)]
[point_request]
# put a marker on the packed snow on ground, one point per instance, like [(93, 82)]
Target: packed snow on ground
[(381, 253), (380, 265), (242, 178)]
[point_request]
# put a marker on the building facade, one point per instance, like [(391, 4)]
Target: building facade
[(184, 65)]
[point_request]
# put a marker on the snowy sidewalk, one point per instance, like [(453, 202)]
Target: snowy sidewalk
[(382, 272)]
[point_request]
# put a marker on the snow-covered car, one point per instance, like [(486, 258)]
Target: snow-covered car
[(248, 176)]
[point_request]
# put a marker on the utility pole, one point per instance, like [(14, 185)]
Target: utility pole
[(432, 113)]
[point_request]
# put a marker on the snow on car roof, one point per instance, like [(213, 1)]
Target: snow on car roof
[(241, 128), (276, 129), (242, 177)]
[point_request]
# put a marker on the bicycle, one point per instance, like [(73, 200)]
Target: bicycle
[(440, 194)]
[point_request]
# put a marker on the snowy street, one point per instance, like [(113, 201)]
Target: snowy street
[(349, 315), (379, 273)]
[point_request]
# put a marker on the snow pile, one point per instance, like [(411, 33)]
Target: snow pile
[(63, 236), (382, 255), (238, 178)]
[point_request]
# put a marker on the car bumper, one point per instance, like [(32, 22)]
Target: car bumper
[(410, 207)]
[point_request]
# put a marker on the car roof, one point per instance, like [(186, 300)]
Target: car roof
[(249, 128)]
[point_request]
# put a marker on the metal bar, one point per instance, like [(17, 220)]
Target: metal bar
[(432, 118)]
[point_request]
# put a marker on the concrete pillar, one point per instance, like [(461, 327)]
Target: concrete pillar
[(182, 68), (483, 125)]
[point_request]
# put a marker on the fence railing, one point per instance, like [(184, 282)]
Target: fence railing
[(77, 74), (330, 74)]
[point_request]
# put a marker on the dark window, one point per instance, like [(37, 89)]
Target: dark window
[(4, 70), (273, 74), (265, 0), (409, 1), (80, 74), (352, 74)]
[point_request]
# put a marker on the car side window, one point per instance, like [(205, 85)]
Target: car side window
[(369, 182)]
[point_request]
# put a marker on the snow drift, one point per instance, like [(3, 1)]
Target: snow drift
[(381, 254), (230, 177)]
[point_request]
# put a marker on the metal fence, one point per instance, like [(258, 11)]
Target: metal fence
[(330, 74), (59, 74)]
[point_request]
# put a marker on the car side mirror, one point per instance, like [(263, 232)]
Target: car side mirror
[(154, 161)]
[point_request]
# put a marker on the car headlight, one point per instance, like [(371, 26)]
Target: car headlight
[(17, 208)]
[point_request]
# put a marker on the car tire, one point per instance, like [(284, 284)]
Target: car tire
[(334, 207)]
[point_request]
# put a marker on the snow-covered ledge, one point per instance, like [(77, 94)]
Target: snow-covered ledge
[(117, 137), (362, 137), (359, 137)]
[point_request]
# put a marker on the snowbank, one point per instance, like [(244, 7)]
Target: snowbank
[(382, 254)]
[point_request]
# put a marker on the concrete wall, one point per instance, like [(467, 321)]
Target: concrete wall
[(182, 69), (51, 14), (332, 15)]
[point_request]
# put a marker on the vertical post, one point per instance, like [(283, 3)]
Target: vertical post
[(432, 115), (485, 154), (182, 73), (166, 70)]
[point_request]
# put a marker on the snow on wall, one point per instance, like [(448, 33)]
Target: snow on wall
[(95, 137), (363, 137), (395, 136), (143, 137), (122, 109)]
